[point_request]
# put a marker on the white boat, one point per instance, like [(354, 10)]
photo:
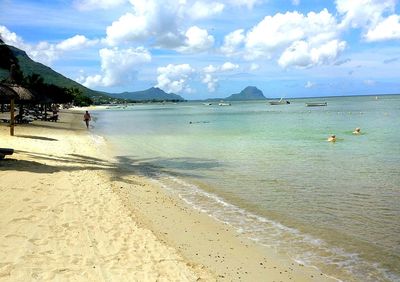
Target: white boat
[(224, 104), (280, 102), (207, 104), (316, 104)]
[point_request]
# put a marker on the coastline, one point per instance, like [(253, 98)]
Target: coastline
[(82, 214)]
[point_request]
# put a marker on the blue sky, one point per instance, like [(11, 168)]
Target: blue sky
[(203, 48)]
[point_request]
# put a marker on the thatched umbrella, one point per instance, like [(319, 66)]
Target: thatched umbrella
[(14, 93)]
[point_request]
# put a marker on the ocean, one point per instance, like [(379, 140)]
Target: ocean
[(269, 172)]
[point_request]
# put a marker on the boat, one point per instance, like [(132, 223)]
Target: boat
[(280, 102), (316, 104), (224, 104), (207, 104)]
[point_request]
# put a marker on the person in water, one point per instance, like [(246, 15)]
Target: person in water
[(357, 131), (87, 118), (332, 138)]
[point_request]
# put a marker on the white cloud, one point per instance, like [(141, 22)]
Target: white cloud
[(11, 38), (296, 39), (232, 41), (210, 69), (375, 18), (97, 4), (197, 40), (310, 84), (363, 13), (175, 78), (118, 66), (228, 66), (129, 27), (75, 42), (276, 32), (45, 52), (387, 29), (203, 10), (302, 54), (211, 82)]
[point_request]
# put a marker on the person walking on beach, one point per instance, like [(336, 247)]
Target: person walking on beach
[(87, 118)]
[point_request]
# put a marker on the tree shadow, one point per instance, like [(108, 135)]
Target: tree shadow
[(120, 168), (36, 137)]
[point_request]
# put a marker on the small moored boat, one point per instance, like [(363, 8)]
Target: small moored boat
[(316, 104), (280, 102)]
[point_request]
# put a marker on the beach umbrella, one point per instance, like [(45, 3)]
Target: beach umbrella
[(11, 93)]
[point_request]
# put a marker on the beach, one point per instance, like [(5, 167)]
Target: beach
[(71, 210)]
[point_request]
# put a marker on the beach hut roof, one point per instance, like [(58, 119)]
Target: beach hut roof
[(19, 93)]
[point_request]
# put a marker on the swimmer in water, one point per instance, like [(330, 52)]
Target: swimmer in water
[(332, 138)]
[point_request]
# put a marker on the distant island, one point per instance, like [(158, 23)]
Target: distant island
[(150, 94), (248, 93)]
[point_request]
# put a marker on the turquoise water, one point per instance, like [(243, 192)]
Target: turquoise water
[(270, 173)]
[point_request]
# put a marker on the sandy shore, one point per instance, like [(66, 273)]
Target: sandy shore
[(70, 210)]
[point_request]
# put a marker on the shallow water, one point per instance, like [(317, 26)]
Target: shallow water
[(269, 172)]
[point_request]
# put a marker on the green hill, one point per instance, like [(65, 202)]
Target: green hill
[(29, 67)]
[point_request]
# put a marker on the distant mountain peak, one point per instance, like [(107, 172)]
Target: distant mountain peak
[(248, 93)]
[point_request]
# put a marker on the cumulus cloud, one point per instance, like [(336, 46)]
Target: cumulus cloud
[(233, 41), (175, 78), (228, 66), (75, 42), (211, 82), (296, 39), (279, 31), (210, 69), (302, 54), (197, 40), (203, 9), (163, 22), (97, 4), (375, 17), (45, 52), (361, 13), (118, 66), (387, 29)]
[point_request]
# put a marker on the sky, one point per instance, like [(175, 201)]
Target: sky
[(203, 48)]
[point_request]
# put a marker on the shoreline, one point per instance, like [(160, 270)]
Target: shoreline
[(64, 157)]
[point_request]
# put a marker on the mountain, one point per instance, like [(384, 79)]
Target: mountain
[(29, 67), (152, 93), (249, 93)]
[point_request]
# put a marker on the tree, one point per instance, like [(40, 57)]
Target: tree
[(79, 99)]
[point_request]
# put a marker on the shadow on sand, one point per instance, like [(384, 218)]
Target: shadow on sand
[(119, 168), (36, 137)]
